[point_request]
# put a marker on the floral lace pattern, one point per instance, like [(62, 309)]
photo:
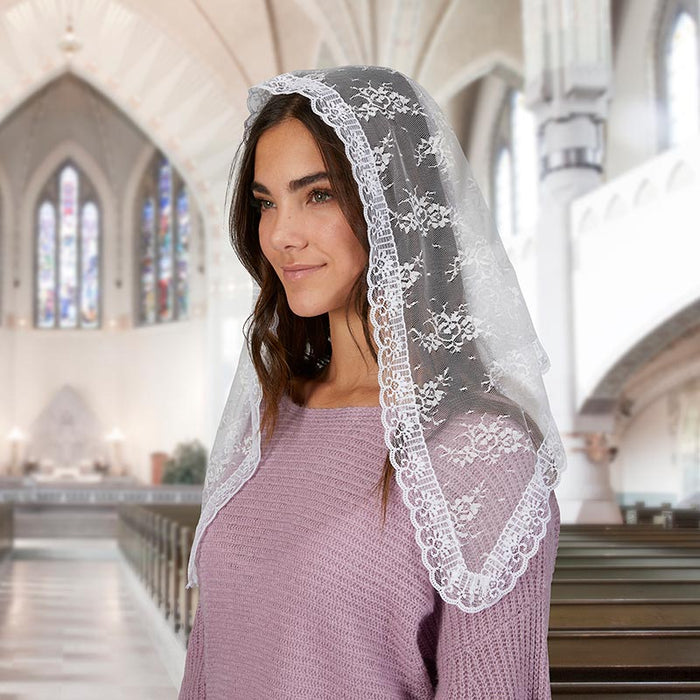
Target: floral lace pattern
[(465, 509), (458, 357), (382, 99), (410, 273), (429, 395), (436, 147), (422, 213), (449, 329), (487, 441), (383, 154)]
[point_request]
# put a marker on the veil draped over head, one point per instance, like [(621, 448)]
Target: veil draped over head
[(466, 418)]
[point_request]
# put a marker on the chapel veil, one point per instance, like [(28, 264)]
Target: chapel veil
[(466, 418)]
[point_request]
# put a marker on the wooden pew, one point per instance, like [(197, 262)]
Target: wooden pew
[(615, 656), (627, 573), (627, 690), (6, 528), (585, 616), (610, 589), (157, 540), (625, 613)]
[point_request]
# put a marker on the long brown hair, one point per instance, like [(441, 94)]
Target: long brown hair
[(298, 348)]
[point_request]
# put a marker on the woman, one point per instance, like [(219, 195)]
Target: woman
[(388, 329)]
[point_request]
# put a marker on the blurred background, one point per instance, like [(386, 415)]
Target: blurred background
[(122, 304)]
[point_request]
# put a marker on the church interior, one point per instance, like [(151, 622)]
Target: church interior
[(122, 304)]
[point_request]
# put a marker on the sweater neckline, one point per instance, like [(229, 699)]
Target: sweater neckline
[(333, 409)]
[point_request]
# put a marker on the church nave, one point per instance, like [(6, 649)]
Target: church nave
[(75, 624)]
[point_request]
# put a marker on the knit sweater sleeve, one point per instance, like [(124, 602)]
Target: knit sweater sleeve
[(501, 652), (193, 685)]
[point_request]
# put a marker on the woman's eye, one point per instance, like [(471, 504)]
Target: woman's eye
[(320, 196), (263, 203)]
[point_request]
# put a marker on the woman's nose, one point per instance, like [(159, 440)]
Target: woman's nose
[(287, 230)]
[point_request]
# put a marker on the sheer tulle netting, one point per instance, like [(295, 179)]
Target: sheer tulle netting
[(466, 417)]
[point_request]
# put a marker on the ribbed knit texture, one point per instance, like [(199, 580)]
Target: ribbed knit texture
[(304, 594)]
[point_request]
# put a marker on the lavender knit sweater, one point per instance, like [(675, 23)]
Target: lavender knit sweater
[(303, 593)]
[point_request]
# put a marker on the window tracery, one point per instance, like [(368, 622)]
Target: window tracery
[(68, 252)]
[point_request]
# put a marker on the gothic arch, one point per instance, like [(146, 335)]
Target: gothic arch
[(496, 62), (7, 249), (67, 150), (493, 90), (607, 391), (210, 108), (659, 34)]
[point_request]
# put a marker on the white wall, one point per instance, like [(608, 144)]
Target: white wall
[(163, 391), (649, 467), (147, 382)]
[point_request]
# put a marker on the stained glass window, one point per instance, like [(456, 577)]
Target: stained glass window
[(181, 250), (682, 80), (89, 297), (68, 252), (68, 249), (46, 266), (148, 256), (164, 244)]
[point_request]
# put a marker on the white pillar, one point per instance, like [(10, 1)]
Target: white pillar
[(567, 51)]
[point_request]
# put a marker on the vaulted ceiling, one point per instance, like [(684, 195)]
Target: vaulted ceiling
[(181, 68)]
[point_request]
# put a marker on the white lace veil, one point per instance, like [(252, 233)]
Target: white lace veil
[(466, 418)]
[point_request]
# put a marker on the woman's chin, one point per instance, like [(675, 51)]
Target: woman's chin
[(308, 310)]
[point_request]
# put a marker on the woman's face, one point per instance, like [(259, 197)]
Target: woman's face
[(303, 232)]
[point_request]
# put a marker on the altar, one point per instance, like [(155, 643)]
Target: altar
[(62, 474), (67, 444)]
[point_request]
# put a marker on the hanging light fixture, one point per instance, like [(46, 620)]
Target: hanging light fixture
[(69, 42)]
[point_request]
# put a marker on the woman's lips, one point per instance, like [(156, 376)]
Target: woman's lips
[(293, 275)]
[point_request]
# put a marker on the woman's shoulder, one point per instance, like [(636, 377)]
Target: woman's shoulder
[(484, 448), (485, 428)]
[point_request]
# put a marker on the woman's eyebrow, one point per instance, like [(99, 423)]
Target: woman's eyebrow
[(257, 187), (294, 185), (307, 180)]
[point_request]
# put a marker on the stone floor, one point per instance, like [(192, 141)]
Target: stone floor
[(74, 625)]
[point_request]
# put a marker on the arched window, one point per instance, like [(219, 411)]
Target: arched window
[(67, 252), (681, 79), (515, 169), (164, 239)]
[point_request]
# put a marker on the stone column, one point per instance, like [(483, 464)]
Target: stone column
[(568, 79)]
